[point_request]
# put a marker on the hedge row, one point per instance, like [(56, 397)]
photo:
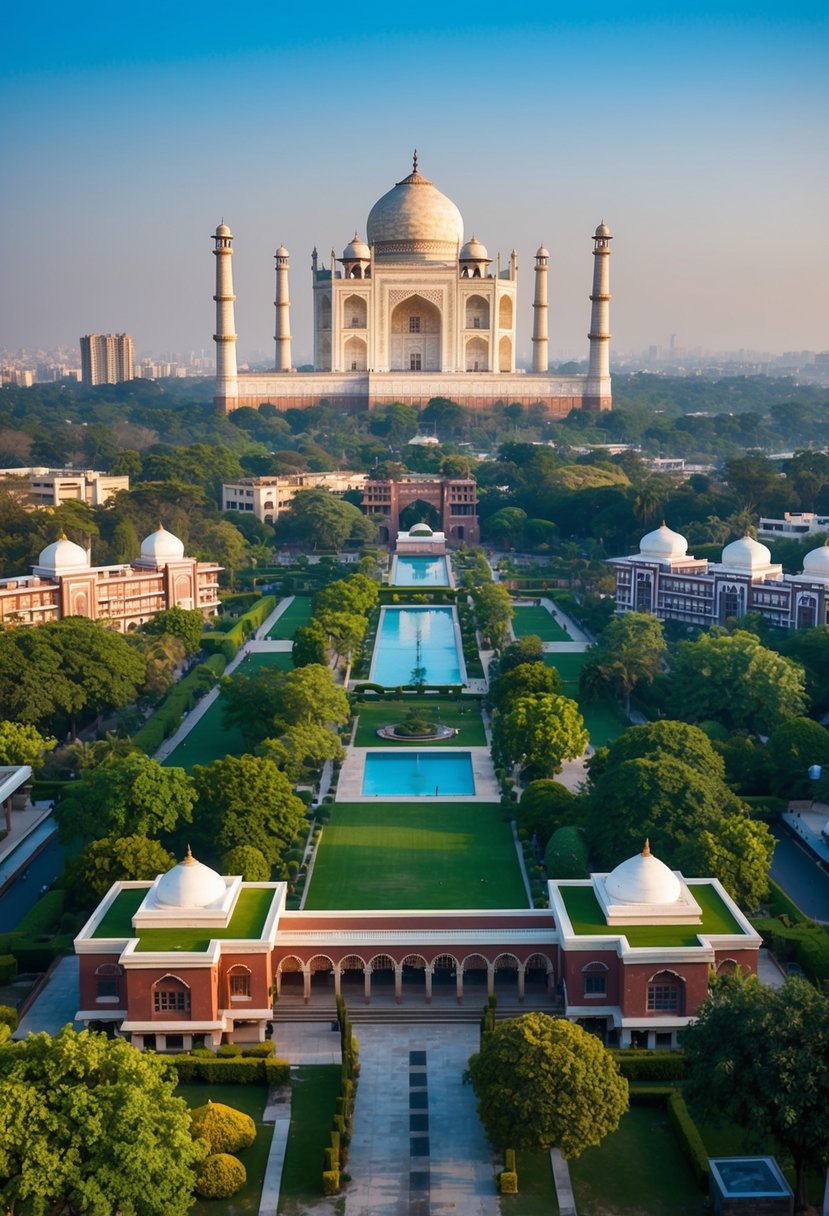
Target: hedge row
[(335, 1155), (781, 905), (508, 1177), (806, 943), (180, 699), (650, 1065), (230, 1070), (228, 644)]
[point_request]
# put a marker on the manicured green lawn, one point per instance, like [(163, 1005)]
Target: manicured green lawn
[(209, 740), (586, 918), (395, 855), (638, 1170), (250, 1099), (464, 715), (539, 621), (536, 1190), (297, 613), (604, 719), (314, 1091)]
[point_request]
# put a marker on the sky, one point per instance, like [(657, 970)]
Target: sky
[(129, 131)]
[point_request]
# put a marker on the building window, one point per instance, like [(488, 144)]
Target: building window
[(240, 984), (175, 1042), (595, 979), (171, 1001), (415, 362), (664, 994), (414, 325), (107, 988)]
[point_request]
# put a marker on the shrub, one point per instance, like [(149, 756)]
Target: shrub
[(8, 969), (331, 1159), (689, 1138), (44, 917), (650, 1065), (235, 1071), (566, 854), (8, 1017), (225, 1129), (330, 1182), (259, 1051), (277, 1072), (654, 1095), (220, 1176), (229, 1049)]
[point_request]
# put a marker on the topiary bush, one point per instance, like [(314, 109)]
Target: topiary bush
[(566, 854), (220, 1176), (225, 1129), (8, 1017)]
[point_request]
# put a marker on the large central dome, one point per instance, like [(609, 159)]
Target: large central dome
[(414, 222)]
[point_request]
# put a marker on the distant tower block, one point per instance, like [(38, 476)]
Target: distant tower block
[(225, 335), (597, 396), (283, 312), (541, 337)]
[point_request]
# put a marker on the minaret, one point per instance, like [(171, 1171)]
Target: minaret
[(597, 395), (541, 342), (225, 335), (283, 312)]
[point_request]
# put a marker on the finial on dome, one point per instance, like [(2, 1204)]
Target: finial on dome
[(646, 852), (62, 535), (663, 524), (414, 161), (189, 859)]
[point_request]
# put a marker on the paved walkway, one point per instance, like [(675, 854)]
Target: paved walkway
[(418, 1146), (56, 1003)]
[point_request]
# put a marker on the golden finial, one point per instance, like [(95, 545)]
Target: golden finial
[(189, 859), (62, 535), (646, 852)]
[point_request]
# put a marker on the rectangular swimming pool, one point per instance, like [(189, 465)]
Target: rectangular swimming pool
[(418, 774), (411, 638), (419, 572)]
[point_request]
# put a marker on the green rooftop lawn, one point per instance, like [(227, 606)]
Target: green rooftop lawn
[(209, 740), (297, 613), (248, 920), (396, 855), (539, 621), (464, 715), (314, 1091), (586, 918), (250, 1099)]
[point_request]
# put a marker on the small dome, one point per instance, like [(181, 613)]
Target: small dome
[(643, 879), (474, 251), (282, 252), (541, 252), (162, 546), (356, 250), (816, 562), (746, 554), (662, 543), (421, 529), (223, 230), (190, 884), (63, 556), (602, 232)]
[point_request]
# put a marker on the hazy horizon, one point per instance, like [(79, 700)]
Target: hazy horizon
[(700, 138)]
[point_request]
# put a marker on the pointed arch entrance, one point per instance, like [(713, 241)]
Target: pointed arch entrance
[(415, 341)]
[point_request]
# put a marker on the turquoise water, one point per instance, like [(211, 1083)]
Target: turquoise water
[(419, 572), (396, 648), (421, 774)]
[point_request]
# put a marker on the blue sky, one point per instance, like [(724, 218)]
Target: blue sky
[(129, 131)]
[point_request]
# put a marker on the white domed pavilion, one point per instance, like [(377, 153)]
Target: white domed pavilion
[(161, 547), (663, 544)]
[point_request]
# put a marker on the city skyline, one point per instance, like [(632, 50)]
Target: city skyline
[(698, 138)]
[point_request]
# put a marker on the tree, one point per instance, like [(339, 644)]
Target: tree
[(545, 806), (246, 800), (759, 1057), (321, 520), (306, 745), (22, 744), (522, 681), (528, 649), (225, 1129), (253, 703), (543, 1082), (310, 694), (735, 680), (133, 796), (792, 748), (90, 1125), (222, 542), (115, 859), (566, 854), (506, 527), (540, 731), (657, 740), (345, 629), (251, 863), (357, 593), (310, 644), (629, 652), (184, 623), (493, 608), (738, 852)]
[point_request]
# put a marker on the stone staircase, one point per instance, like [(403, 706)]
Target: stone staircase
[(386, 1014)]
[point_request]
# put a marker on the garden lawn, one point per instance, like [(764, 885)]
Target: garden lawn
[(250, 1099), (541, 622), (297, 613), (604, 719), (209, 740), (639, 1170), (536, 1189), (464, 715), (314, 1091), (401, 855)]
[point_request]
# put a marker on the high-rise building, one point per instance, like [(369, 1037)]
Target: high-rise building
[(106, 358)]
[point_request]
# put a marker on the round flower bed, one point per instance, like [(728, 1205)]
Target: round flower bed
[(400, 732)]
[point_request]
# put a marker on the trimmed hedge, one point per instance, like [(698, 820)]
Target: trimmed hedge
[(781, 905), (805, 942), (650, 1065), (8, 1017), (689, 1138), (44, 917), (237, 1070), (228, 644), (221, 1175), (225, 1129), (181, 697)]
